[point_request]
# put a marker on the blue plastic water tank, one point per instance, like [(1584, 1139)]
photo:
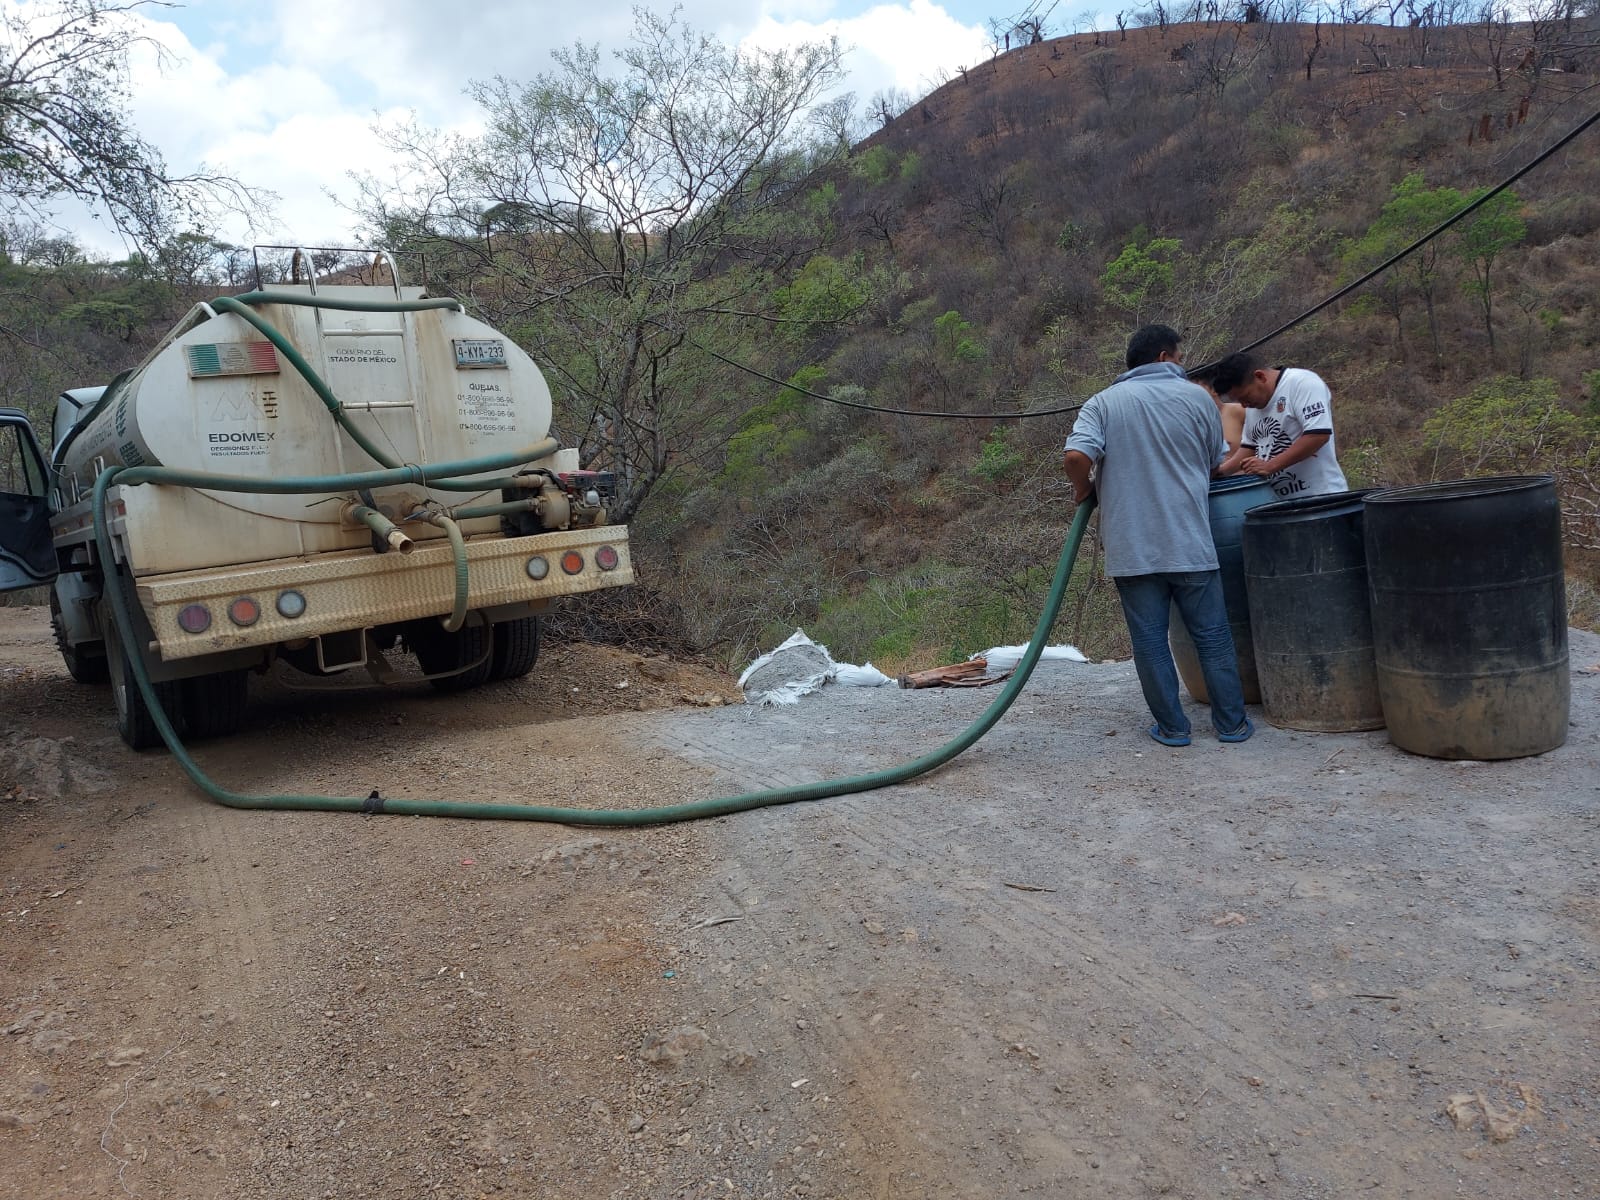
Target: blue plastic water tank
[(1230, 499)]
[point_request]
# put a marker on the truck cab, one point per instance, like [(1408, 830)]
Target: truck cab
[(27, 559)]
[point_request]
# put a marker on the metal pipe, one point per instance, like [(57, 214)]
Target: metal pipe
[(382, 526)]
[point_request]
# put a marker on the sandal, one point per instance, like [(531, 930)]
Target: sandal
[(1241, 734), (1171, 739)]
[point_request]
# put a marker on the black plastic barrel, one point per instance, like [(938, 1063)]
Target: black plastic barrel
[(1229, 500), (1469, 616), (1305, 569)]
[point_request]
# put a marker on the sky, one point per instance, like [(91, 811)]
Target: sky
[(283, 94)]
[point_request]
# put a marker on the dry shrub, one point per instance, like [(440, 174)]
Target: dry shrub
[(1565, 218)]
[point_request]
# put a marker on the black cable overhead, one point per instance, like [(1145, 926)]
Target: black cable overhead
[(902, 412), (1465, 211)]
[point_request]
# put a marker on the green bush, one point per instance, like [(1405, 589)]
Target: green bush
[(1141, 276), (1504, 425), (875, 165), (827, 291), (998, 458), (1363, 465), (954, 337), (1073, 236), (888, 622)]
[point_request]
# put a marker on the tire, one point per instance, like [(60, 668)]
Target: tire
[(516, 648), (438, 651), (135, 722), (214, 705), (84, 668)]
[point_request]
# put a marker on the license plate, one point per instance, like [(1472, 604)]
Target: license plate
[(473, 353)]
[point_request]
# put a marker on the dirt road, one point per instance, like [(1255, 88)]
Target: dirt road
[(1071, 963)]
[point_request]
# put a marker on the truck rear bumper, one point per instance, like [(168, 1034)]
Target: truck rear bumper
[(358, 589)]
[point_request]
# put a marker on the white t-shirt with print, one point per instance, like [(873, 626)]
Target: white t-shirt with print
[(1301, 403)]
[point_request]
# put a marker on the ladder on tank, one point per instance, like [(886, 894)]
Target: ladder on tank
[(369, 360)]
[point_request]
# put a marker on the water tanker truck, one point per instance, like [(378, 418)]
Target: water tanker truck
[(321, 474)]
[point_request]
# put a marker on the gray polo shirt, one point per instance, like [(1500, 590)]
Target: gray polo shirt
[(1155, 439)]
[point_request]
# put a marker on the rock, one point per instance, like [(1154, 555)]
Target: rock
[(673, 1047), (635, 1123), (658, 670), (35, 1016)]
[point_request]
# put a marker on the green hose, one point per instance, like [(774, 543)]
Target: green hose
[(572, 816), (238, 305), (469, 512), (296, 485), (458, 551), (324, 393)]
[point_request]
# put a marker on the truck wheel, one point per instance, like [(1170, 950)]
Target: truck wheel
[(516, 648), (134, 720), (438, 651), (214, 705), (83, 667)]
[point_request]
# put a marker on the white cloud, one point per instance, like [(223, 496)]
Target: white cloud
[(283, 96), (913, 46)]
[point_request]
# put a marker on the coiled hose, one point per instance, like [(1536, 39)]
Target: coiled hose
[(614, 817)]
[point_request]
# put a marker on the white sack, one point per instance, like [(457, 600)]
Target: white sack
[(798, 667), (1003, 658), (783, 675)]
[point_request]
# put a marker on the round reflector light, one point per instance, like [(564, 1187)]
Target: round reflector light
[(194, 618), (538, 567), (244, 611), (291, 604), (572, 562), (606, 558)]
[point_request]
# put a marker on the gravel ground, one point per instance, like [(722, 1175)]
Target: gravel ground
[(1071, 962)]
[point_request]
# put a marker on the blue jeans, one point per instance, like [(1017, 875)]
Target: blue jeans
[(1146, 600)]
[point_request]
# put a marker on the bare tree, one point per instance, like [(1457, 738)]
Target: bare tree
[(611, 216), (888, 104), (1101, 68), (1489, 40), (64, 129), (1315, 48), (990, 204), (1222, 57)]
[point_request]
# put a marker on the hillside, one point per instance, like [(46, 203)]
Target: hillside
[(1003, 235)]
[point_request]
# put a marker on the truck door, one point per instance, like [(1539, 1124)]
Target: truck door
[(27, 558)]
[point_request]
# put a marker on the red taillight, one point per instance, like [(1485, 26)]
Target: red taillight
[(244, 611), (606, 558), (572, 562), (194, 618)]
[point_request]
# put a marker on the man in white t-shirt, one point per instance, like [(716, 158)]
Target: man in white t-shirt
[(1288, 427)]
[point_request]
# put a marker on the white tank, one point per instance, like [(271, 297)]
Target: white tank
[(428, 386)]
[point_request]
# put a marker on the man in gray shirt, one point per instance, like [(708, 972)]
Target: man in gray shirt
[(1147, 445)]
